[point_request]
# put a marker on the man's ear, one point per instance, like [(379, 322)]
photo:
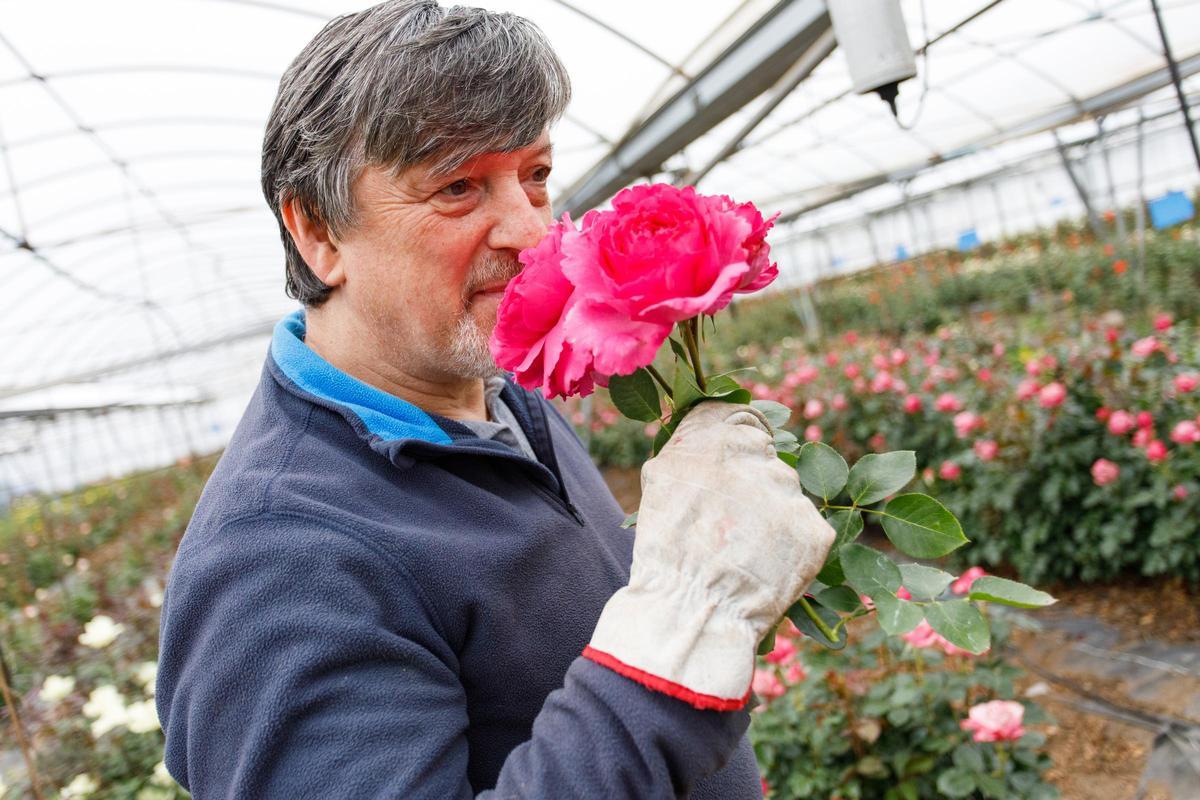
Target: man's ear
[(314, 241)]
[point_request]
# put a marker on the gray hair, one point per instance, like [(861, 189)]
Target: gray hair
[(401, 83)]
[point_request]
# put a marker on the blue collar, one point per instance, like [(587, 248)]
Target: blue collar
[(383, 415)]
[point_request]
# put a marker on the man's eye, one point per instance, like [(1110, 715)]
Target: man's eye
[(458, 188), (541, 174)]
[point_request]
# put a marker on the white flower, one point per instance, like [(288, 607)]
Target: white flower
[(154, 592), (141, 717), (161, 776), (145, 674), (56, 687), (106, 708), (81, 785), (100, 632)]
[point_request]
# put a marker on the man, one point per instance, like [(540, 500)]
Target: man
[(405, 578)]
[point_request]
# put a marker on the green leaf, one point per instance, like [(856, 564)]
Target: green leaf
[(788, 458), (961, 624), (897, 616), (685, 391), (1009, 593), (777, 414), (869, 571), (786, 442), (924, 583), (661, 438), (720, 385), (822, 470), (876, 475), (956, 782), (847, 525), (678, 349), (838, 598), (768, 642), (968, 757), (630, 521), (636, 395), (829, 617), (921, 527)]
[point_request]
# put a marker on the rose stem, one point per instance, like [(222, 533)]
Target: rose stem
[(689, 338), (654, 373), (820, 623)]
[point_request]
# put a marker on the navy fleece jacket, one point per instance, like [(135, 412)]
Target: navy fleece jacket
[(372, 602)]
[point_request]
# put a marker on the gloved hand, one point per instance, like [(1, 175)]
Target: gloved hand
[(726, 541)]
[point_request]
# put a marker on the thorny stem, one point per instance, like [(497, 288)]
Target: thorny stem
[(688, 328)]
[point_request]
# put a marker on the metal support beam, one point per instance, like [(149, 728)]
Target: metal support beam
[(750, 66)]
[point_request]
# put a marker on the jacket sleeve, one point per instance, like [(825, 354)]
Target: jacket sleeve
[(297, 661)]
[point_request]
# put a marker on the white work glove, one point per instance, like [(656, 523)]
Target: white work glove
[(726, 542)]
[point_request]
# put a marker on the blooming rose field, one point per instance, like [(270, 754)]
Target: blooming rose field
[(1049, 387)]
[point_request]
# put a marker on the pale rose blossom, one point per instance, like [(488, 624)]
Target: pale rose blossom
[(986, 449), (812, 433), (1185, 432), (1144, 347), (995, 721), (1120, 422), (82, 785), (1105, 472), (1052, 395), (813, 408), (880, 361), (966, 422), (878, 442), (962, 584), (140, 717), (903, 594), (1180, 492), (948, 402), (839, 402), (1142, 437), (56, 687), (882, 382), (1027, 389), (100, 632), (899, 357), (949, 471), (852, 371), (106, 708), (783, 652), (766, 685), (794, 673), (807, 373)]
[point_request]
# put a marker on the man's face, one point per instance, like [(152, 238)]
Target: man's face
[(428, 261)]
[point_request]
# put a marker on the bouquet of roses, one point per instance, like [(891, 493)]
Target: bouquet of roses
[(595, 304)]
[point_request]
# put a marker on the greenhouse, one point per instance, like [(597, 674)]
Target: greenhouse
[(942, 258)]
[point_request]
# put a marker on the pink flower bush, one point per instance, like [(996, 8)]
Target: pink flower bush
[(995, 721), (1105, 472), (962, 584), (1121, 423), (986, 449), (1052, 395)]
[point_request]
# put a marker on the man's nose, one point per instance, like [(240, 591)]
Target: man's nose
[(519, 223)]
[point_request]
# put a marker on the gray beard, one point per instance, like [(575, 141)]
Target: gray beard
[(469, 355)]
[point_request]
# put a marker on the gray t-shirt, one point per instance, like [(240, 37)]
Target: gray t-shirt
[(501, 425)]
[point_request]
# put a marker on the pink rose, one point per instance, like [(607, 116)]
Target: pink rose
[(1180, 492), (665, 254), (1142, 437), (1187, 382), (839, 402), (1103, 413), (921, 636), (880, 361), (1145, 419), (1052, 395), (806, 374), (794, 673), (948, 403), (530, 337), (903, 594), (832, 359), (965, 422), (995, 721), (1121, 423), (997, 349), (783, 652), (949, 471), (1027, 389), (852, 371), (1144, 347), (851, 338), (912, 404), (984, 374), (1185, 432), (1163, 322), (986, 449), (962, 584), (1033, 368), (878, 442), (1105, 472), (766, 684), (898, 357), (812, 433), (881, 382), (1156, 451), (813, 408)]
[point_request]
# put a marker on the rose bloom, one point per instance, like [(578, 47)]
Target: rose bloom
[(1163, 322), (783, 652), (794, 673), (1027, 389), (1033, 368), (1105, 472), (986, 449), (962, 584), (1144, 347), (997, 349), (881, 382), (1103, 413), (1145, 419), (806, 373), (966, 422), (812, 433), (949, 471), (912, 404), (878, 442), (813, 408), (839, 402), (903, 594), (760, 391), (1187, 382), (1156, 451), (1180, 492), (880, 361), (995, 721), (832, 359), (1142, 437), (1185, 432), (1121, 423), (948, 403), (1052, 395), (851, 338), (984, 374), (852, 371), (899, 357), (766, 685)]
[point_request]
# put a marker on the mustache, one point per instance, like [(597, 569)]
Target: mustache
[(491, 270)]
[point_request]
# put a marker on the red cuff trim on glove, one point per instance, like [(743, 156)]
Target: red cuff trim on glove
[(704, 702)]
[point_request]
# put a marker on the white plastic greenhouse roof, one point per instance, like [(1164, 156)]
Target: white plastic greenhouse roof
[(132, 227)]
